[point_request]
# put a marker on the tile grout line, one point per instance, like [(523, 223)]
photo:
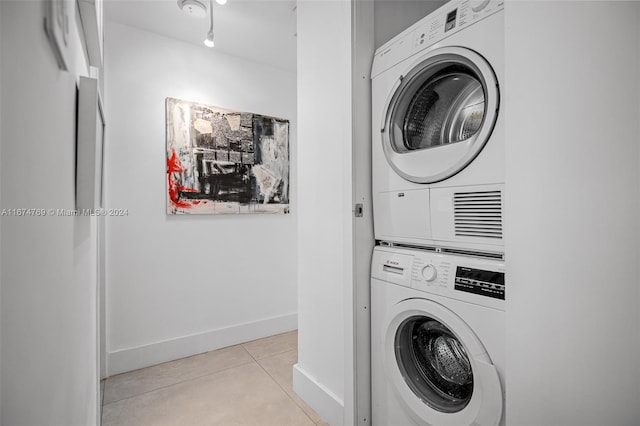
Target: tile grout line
[(249, 352), (268, 356), (178, 383), (277, 353), (284, 390)]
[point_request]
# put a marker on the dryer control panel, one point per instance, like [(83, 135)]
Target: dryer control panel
[(451, 18), (440, 24)]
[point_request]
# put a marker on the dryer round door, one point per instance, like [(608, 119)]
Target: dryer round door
[(440, 114), (439, 369)]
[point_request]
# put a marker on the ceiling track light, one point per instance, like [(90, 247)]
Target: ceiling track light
[(209, 40)]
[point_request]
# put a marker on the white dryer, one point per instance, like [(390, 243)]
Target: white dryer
[(438, 137), (437, 339)]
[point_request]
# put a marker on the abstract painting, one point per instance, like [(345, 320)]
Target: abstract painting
[(225, 162)]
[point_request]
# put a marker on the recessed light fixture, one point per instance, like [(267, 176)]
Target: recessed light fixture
[(194, 8), (221, 1)]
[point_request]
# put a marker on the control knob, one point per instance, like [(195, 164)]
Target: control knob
[(429, 272)]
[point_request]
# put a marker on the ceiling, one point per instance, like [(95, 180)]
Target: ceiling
[(258, 30)]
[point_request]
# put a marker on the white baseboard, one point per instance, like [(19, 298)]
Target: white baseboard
[(322, 400), (156, 353)]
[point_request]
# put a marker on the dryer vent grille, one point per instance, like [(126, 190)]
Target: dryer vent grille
[(478, 214)]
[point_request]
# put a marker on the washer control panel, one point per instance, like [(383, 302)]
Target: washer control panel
[(468, 278), (471, 279)]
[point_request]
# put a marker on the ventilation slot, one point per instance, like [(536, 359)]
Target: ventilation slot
[(410, 246), (478, 214), (472, 253)]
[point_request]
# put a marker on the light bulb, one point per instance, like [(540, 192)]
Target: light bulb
[(209, 41), (221, 2)]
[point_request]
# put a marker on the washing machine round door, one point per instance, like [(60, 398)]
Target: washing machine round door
[(439, 369), (440, 114)]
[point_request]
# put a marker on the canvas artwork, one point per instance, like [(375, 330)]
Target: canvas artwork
[(225, 162)]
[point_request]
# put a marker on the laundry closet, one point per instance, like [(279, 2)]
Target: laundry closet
[(438, 280), (570, 239)]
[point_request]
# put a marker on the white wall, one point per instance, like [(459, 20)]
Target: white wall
[(394, 16), (49, 337), (180, 285), (325, 219), (572, 210)]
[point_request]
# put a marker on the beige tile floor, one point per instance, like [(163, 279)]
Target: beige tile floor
[(243, 385)]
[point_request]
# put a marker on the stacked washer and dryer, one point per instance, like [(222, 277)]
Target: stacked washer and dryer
[(438, 287)]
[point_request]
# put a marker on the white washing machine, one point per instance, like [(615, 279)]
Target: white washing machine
[(438, 134), (437, 339)]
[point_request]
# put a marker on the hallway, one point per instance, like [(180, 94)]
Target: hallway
[(248, 384)]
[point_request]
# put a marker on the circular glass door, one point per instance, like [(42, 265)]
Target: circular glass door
[(434, 364), (440, 115)]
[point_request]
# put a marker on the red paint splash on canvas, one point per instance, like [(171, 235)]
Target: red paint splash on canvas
[(174, 166)]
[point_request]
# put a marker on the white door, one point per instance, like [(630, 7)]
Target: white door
[(440, 114), (439, 369)]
